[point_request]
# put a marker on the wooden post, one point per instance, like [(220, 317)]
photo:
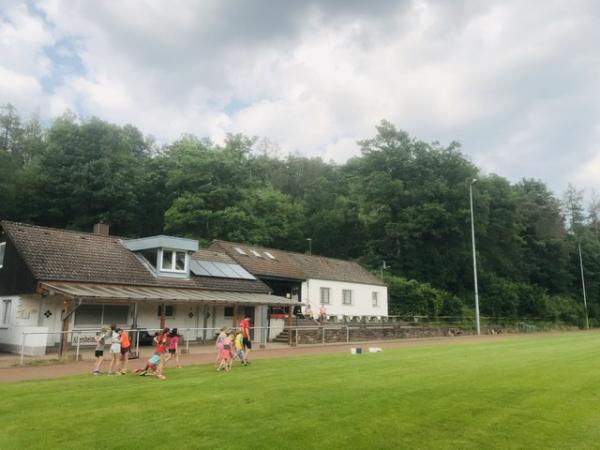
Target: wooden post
[(65, 327), (163, 320), (290, 312)]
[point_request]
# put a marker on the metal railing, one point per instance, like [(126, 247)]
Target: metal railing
[(394, 327)]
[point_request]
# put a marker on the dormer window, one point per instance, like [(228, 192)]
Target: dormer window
[(255, 253), (240, 251), (173, 261), (270, 255)]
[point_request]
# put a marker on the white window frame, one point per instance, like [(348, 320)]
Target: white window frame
[(255, 253), (270, 255), (375, 299), (240, 251), (2, 253), (6, 310), (173, 261), (344, 291), (321, 291)]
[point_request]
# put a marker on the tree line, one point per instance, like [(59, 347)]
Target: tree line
[(402, 201)]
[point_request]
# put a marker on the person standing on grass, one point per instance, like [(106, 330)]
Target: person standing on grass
[(239, 347), (226, 353), (115, 350), (245, 326), (99, 350), (219, 345), (125, 349), (174, 338)]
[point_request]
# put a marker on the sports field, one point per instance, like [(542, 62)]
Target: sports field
[(522, 392)]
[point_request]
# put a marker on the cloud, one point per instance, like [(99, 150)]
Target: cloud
[(515, 82)]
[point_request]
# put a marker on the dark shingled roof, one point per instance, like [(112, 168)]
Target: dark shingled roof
[(63, 255), (295, 265)]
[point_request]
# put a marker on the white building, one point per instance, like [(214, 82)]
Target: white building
[(346, 289), (58, 280)]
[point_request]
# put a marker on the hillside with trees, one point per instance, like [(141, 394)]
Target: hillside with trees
[(402, 201)]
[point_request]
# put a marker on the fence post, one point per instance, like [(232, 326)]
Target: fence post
[(23, 348), (77, 351), (296, 337), (347, 334), (187, 345), (323, 335), (137, 343)]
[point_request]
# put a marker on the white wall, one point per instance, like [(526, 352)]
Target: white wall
[(362, 304), (22, 318)]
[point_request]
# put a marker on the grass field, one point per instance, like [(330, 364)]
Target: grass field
[(526, 392)]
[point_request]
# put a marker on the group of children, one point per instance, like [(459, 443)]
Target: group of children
[(120, 346), (167, 347), (229, 346)]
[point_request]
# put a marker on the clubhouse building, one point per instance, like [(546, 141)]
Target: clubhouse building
[(54, 281)]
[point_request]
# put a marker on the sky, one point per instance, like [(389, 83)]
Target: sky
[(517, 83)]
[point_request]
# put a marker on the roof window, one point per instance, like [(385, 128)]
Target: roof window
[(173, 261), (270, 255), (255, 253), (240, 251)]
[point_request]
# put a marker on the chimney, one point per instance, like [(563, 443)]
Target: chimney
[(101, 229)]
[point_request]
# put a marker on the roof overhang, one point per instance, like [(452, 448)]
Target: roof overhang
[(93, 292), (161, 242)]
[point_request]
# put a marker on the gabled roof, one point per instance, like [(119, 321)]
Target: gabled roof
[(295, 265), (283, 266), (62, 255)]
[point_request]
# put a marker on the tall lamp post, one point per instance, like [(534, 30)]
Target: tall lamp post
[(587, 320), (309, 246), (473, 181)]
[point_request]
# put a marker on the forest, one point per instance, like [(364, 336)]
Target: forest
[(402, 201)]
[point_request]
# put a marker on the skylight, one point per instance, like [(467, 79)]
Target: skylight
[(270, 255), (255, 253), (240, 251)]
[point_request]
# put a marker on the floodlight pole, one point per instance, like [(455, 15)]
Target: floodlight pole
[(473, 181), (587, 321), (309, 246)]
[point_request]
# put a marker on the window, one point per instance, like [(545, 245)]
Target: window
[(325, 296), (115, 314), (255, 253), (346, 297), (173, 261), (169, 311), (228, 311), (240, 251), (375, 298), (270, 255), (101, 314), (2, 251), (6, 312), (88, 315)]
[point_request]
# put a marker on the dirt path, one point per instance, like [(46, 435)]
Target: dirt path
[(10, 374)]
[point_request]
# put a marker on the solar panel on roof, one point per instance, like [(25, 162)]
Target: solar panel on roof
[(225, 269), (197, 269), (219, 269), (212, 269), (242, 273)]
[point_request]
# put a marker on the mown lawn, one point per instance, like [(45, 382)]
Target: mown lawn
[(529, 392)]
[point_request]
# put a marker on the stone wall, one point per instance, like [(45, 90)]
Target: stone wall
[(386, 332)]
